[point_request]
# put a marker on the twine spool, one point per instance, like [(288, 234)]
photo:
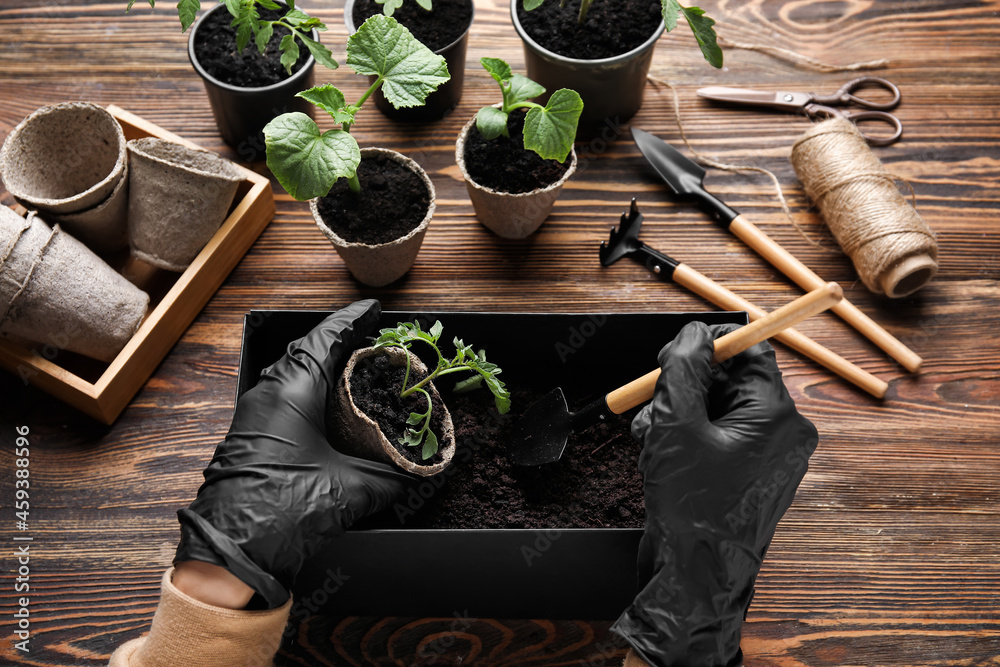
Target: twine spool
[(893, 249)]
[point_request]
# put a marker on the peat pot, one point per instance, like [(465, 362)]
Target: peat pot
[(359, 435), (557, 573), (241, 113), (380, 264), (611, 88), (446, 97)]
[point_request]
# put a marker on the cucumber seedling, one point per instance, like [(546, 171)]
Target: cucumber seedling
[(390, 6), (549, 130), (306, 161), (466, 360), (250, 26), (700, 24)]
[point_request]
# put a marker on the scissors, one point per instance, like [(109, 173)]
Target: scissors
[(823, 106)]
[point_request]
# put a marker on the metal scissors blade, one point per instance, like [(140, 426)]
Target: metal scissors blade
[(785, 101)]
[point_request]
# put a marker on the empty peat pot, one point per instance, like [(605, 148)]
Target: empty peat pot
[(103, 228), (447, 96), (509, 215), (612, 88), (378, 264), (178, 199), (359, 435), (55, 291), (242, 112), (64, 158)]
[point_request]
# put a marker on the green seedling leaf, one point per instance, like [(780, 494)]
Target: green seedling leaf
[(436, 329), (468, 384), (264, 35), (522, 88), (289, 52), (187, 12), (322, 54), (498, 69), (670, 9), (532, 4), (415, 418), (550, 131), (305, 161), (409, 71), (233, 7), (425, 4), (430, 445), (411, 438), (152, 3), (701, 26), (268, 4), (389, 7), (247, 22), (491, 122), (296, 17), (329, 99)]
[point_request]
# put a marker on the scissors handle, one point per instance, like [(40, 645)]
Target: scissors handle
[(846, 94), (857, 117)]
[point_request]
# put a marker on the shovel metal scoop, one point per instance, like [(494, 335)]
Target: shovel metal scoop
[(540, 435)]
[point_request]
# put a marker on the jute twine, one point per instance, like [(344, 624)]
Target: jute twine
[(858, 198)]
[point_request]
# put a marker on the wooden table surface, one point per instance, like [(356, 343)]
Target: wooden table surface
[(890, 554)]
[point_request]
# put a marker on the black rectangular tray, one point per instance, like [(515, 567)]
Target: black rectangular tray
[(561, 573)]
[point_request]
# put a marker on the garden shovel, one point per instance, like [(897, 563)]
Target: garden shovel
[(540, 435)]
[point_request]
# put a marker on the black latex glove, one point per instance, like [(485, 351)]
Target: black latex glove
[(276, 491), (723, 451)]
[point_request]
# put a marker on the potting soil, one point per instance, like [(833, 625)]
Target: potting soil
[(435, 29), (504, 165), (215, 49), (392, 202), (613, 27), (375, 387)]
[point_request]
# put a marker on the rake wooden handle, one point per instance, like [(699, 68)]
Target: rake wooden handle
[(641, 390), (708, 289), (805, 278)]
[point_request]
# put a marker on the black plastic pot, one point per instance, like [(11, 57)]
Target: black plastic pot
[(611, 88), (569, 573), (242, 113), (439, 103)]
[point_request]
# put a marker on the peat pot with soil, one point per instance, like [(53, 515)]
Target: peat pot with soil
[(253, 57), (440, 25), (515, 156), (373, 204), (386, 407), (602, 49), (553, 541)]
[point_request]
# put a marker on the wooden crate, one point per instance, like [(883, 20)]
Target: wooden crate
[(103, 390)]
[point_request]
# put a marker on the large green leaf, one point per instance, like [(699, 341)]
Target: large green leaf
[(322, 54), (264, 35), (305, 161), (331, 100), (550, 131), (491, 122), (701, 26), (187, 11), (408, 69)]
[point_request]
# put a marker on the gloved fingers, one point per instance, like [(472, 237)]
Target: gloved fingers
[(368, 487), (295, 388), (642, 422)]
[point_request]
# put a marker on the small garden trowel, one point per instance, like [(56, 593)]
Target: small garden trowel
[(540, 435)]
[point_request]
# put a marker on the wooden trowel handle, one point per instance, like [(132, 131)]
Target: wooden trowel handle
[(639, 391)]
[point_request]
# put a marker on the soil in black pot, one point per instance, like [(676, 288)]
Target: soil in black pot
[(504, 165), (375, 385), (613, 27), (392, 202), (435, 29), (215, 49), (596, 484)]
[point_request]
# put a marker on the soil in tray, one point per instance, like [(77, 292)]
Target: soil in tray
[(613, 27), (215, 49), (503, 164), (392, 202), (375, 387), (435, 29), (596, 484)]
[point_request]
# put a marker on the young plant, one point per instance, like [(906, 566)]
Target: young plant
[(418, 431), (549, 130), (390, 6), (700, 24), (249, 26), (306, 161)]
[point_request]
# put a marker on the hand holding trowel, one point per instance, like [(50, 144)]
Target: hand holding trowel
[(540, 435)]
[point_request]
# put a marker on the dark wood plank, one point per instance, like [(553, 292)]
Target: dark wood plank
[(890, 554)]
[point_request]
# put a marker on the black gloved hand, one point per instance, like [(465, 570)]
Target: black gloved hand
[(276, 491), (724, 451)]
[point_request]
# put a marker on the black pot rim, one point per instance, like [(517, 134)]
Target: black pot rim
[(596, 62), (203, 73), (349, 22)]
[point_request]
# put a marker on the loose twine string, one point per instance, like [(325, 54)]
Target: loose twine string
[(857, 197)]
